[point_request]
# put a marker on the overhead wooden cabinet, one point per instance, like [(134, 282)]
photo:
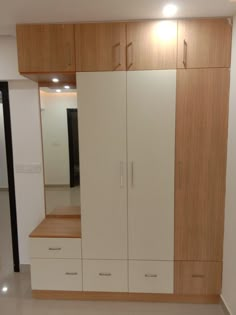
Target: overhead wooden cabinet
[(102, 131), (200, 169), (204, 43), (151, 45), (45, 48), (151, 98), (100, 47)]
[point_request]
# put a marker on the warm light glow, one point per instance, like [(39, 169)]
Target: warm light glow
[(55, 80), (67, 87), (58, 91), (4, 289), (170, 10), (165, 31)]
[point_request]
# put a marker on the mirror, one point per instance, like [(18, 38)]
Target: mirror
[(59, 119)]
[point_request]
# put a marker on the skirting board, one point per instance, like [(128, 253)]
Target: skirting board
[(137, 297), (225, 306)]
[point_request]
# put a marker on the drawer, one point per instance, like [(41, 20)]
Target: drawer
[(55, 248), (151, 276), (105, 275), (203, 278), (56, 274)]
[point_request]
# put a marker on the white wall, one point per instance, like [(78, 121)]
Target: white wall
[(8, 59), (27, 152), (55, 136), (229, 272), (3, 162)]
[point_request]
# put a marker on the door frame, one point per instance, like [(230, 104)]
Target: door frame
[(10, 170), (70, 143)]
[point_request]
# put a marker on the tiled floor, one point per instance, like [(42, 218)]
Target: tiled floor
[(61, 197), (18, 301)]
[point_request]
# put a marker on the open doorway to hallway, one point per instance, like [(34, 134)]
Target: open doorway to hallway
[(9, 255)]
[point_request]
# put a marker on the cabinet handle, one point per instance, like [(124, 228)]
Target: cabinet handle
[(131, 62), (198, 276), (132, 173), (121, 174), (150, 275), (54, 248), (185, 54), (71, 273), (105, 274), (115, 47)]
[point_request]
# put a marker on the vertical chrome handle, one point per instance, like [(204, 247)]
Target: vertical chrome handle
[(132, 173), (130, 47), (185, 54), (115, 47), (121, 174)]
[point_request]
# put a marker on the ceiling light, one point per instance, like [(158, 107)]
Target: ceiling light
[(67, 87), (58, 90), (55, 80), (4, 289), (170, 10)]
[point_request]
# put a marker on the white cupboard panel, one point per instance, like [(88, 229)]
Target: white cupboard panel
[(56, 274), (102, 133), (105, 275), (151, 276), (151, 103), (55, 248)]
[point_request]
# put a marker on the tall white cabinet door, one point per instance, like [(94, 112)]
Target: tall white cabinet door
[(151, 100), (102, 138)]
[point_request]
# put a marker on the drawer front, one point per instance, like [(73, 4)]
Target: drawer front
[(203, 278), (105, 275), (151, 276), (56, 274), (55, 248)]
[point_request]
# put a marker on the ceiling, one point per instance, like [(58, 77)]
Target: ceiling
[(42, 11)]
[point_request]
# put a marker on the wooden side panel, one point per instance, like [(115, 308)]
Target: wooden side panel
[(200, 170), (208, 43), (201, 278), (151, 45), (46, 48), (100, 47)]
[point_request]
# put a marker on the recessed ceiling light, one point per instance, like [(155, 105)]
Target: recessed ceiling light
[(67, 87), (170, 10), (55, 80), (58, 90), (4, 289)]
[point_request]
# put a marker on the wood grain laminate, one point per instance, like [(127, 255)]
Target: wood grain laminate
[(65, 212), (46, 47), (137, 297), (204, 43), (100, 47), (151, 45), (204, 278), (45, 79), (200, 169), (61, 228)]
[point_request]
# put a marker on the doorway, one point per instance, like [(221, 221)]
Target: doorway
[(73, 140), (9, 252)]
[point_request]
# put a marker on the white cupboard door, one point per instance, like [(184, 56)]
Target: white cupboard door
[(151, 100), (102, 134)]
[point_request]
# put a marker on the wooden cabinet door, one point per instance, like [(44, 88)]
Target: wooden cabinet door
[(151, 45), (151, 100), (102, 132), (204, 43), (200, 169), (100, 47), (46, 48)]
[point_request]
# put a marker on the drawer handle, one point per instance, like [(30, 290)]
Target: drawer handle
[(198, 276), (54, 248), (105, 274), (71, 273), (149, 275)]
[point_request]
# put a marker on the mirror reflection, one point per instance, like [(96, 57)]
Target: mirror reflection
[(59, 118)]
